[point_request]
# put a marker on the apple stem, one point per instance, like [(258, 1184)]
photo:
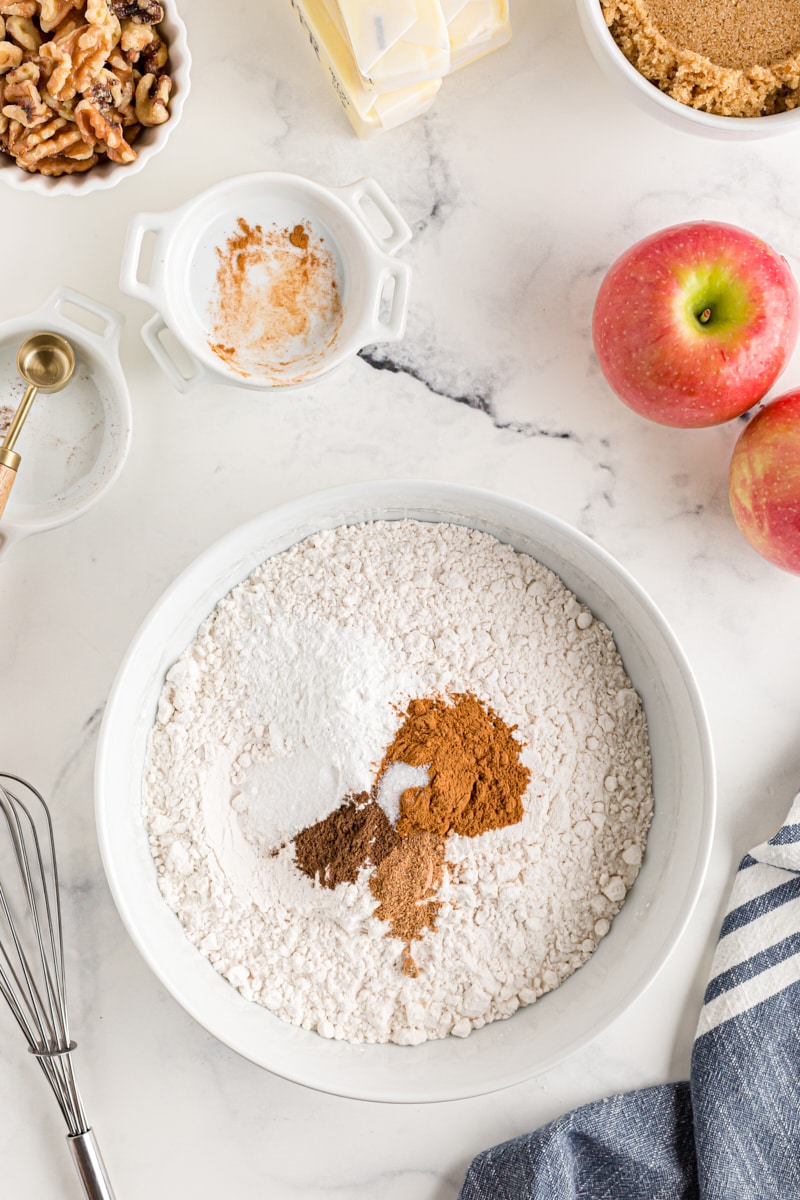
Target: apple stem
[(705, 316)]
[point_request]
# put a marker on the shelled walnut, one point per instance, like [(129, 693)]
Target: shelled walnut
[(78, 81)]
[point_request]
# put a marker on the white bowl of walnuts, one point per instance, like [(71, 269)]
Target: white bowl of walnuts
[(90, 90)]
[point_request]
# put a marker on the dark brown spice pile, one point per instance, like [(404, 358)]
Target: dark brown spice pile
[(334, 850)]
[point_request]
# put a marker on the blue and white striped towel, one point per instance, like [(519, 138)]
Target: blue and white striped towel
[(733, 1131)]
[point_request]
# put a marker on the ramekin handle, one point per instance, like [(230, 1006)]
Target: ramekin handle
[(365, 191), (111, 321), (129, 281), (392, 327), (151, 336)]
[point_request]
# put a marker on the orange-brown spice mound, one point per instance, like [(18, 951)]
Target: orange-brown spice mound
[(476, 781)]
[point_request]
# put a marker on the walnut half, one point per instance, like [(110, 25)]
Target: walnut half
[(10, 57), (152, 95), (99, 121), (143, 12), (22, 101), (62, 165), (23, 31), (22, 8)]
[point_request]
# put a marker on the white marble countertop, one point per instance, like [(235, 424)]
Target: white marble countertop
[(522, 183)]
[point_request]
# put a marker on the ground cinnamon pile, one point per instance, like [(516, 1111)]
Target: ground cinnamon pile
[(298, 237), (475, 783), (276, 299)]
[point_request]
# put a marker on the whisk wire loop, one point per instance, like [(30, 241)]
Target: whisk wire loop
[(32, 977), (48, 1015)]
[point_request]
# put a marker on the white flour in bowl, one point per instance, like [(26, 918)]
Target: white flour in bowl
[(285, 704)]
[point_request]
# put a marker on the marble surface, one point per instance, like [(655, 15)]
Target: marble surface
[(522, 183)]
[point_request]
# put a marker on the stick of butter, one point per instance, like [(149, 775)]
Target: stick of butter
[(475, 28), (375, 25), (395, 43), (369, 109)]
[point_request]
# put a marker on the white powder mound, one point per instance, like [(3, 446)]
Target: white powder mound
[(285, 703)]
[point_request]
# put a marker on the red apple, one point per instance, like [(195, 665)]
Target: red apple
[(765, 482), (693, 325)]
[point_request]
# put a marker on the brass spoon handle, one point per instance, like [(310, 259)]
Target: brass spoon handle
[(7, 476), (46, 362), (19, 417), (9, 459)]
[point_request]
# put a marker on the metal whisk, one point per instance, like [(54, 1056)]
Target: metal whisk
[(32, 963)]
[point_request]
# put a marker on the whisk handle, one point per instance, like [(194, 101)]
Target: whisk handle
[(90, 1167)]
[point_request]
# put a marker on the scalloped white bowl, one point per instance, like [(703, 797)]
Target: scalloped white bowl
[(643, 934), (150, 142)]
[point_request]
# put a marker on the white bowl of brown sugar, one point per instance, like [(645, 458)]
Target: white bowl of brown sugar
[(722, 69), (375, 784)]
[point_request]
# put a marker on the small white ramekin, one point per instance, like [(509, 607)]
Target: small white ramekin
[(360, 225), (620, 71), (108, 174), (42, 499)]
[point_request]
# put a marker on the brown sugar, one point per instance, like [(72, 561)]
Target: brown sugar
[(737, 58), (731, 33)]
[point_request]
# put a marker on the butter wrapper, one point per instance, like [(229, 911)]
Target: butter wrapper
[(395, 43), (475, 28), (369, 108)]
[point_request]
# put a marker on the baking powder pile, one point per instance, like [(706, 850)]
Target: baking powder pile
[(284, 707)]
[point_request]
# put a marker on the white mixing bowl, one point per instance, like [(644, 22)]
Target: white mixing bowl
[(643, 934)]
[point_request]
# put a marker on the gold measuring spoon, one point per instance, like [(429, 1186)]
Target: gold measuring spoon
[(46, 362)]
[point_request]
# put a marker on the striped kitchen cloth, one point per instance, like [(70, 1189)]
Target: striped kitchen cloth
[(733, 1131)]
